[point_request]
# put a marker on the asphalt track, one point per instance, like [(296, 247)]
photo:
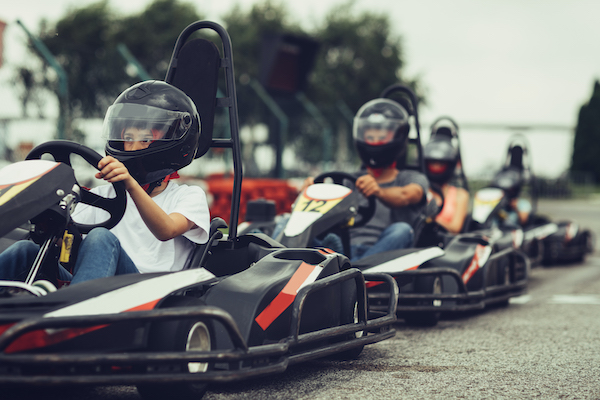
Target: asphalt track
[(545, 344)]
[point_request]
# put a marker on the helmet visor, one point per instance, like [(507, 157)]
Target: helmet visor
[(437, 167), (376, 129), (136, 122)]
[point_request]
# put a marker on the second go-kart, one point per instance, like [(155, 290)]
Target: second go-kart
[(464, 272), (244, 306)]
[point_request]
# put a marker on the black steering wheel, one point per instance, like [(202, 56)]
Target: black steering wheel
[(61, 150), (365, 212), (437, 189)]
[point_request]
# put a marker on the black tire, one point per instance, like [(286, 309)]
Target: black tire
[(505, 282), (178, 336), (428, 284), (349, 314)]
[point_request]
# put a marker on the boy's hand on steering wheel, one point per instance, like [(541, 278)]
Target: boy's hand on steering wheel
[(112, 170)]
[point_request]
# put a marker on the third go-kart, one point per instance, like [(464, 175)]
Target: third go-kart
[(464, 272), (244, 306)]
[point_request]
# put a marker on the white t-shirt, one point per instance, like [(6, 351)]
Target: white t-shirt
[(147, 252)]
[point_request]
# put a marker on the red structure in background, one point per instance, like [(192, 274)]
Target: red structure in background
[(220, 187)]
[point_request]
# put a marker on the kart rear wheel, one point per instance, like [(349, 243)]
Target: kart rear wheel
[(188, 335), (426, 318)]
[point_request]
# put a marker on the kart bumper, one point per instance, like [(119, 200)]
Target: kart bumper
[(240, 362), (460, 301)]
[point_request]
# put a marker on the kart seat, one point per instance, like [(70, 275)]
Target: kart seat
[(216, 257), (224, 260)]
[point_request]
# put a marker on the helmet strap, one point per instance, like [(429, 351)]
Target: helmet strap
[(149, 187)]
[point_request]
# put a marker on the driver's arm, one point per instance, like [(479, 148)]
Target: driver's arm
[(459, 214), (395, 196), (162, 225)]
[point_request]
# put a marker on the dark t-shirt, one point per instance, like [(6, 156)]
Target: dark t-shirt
[(385, 216)]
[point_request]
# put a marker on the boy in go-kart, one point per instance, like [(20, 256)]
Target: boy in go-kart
[(380, 133), (152, 129)]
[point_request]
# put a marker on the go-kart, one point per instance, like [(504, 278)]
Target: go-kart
[(440, 273), (545, 241), (244, 305)]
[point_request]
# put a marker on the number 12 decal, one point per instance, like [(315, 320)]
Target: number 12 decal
[(306, 204), (314, 205)]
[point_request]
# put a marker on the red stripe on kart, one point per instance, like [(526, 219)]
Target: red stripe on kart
[(147, 306), (286, 297), (474, 266), (41, 338), (370, 284)]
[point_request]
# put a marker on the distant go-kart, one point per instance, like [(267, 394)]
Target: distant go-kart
[(244, 306), (545, 241)]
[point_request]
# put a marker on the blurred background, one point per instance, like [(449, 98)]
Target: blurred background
[(304, 68)]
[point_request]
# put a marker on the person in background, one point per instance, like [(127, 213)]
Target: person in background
[(441, 159), (511, 179), (380, 134)]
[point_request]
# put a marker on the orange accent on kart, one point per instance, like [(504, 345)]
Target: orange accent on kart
[(286, 297)]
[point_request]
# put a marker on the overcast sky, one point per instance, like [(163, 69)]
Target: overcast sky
[(509, 61)]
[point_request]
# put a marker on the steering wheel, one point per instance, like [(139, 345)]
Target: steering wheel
[(365, 212), (61, 150), (437, 189)]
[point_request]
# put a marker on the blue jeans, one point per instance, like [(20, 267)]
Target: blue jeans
[(398, 235), (100, 255)]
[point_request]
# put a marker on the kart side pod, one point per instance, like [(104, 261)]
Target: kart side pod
[(265, 292)]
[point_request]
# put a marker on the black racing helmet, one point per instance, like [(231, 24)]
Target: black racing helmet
[(509, 179), (380, 132), (170, 121), (440, 155)]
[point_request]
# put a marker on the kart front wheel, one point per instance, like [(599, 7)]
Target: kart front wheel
[(432, 285), (350, 314), (185, 335)]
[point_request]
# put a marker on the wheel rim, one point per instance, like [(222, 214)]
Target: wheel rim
[(358, 334), (437, 289), (198, 340)]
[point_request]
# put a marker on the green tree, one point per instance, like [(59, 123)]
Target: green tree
[(82, 43), (151, 35), (358, 57), (85, 43), (246, 31), (586, 145)]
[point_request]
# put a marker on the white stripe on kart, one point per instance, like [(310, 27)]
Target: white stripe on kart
[(134, 295), (299, 221), (312, 277), (585, 299), (541, 231), (409, 261)]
